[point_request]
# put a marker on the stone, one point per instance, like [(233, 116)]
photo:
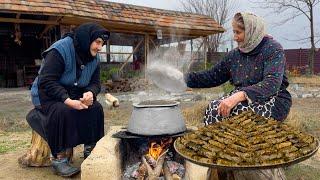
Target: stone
[(104, 161), (194, 171)]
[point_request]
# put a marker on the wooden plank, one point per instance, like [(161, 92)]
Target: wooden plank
[(117, 26), (27, 21), (49, 26)]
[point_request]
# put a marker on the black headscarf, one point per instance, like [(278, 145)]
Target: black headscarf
[(84, 35)]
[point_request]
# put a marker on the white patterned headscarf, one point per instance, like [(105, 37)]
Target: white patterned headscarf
[(254, 27)]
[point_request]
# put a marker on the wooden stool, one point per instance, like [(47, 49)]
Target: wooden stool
[(39, 153)]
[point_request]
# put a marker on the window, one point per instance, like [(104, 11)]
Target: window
[(103, 54), (120, 53)]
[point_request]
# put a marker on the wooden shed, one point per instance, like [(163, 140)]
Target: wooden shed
[(28, 27)]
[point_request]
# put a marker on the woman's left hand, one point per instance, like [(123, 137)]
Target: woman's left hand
[(87, 98), (227, 104)]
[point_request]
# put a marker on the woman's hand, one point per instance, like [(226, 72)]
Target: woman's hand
[(227, 104), (75, 104), (87, 98)]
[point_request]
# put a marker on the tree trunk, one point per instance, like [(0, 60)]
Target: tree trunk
[(312, 49), (39, 153)]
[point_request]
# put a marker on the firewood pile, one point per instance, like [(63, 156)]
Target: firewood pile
[(126, 85)]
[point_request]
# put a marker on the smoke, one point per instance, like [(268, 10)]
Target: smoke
[(166, 67)]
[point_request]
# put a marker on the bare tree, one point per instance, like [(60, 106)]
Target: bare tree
[(293, 9), (219, 10)]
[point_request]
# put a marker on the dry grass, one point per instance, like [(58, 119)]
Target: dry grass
[(306, 80), (305, 115), (194, 115)]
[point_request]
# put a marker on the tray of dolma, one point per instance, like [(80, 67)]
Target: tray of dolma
[(246, 141)]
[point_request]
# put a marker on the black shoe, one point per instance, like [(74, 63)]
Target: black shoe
[(62, 168), (87, 150)]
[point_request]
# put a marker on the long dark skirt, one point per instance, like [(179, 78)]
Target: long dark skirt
[(66, 127)]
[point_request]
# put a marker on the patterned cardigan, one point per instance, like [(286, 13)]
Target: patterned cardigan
[(260, 73)]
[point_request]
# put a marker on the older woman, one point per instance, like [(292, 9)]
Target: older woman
[(65, 92), (257, 70)]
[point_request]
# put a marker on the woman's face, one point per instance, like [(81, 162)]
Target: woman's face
[(238, 33), (96, 46)]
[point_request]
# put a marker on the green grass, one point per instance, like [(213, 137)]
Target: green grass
[(13, 141)]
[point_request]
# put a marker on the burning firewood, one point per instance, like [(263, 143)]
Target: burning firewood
[(154, 174)]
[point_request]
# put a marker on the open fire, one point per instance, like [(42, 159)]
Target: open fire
[(156, 149), (158, 161)]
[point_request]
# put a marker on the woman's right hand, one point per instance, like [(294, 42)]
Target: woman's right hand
[(75, 104)]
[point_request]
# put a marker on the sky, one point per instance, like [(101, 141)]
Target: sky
[(285, 34)]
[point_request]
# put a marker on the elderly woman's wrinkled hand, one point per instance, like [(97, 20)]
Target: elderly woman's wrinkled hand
[(227, 104), (87, 98), (75, 104)]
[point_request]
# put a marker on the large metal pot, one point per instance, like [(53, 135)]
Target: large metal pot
[(156, 119)]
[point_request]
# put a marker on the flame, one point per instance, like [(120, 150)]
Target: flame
[(155, 149)]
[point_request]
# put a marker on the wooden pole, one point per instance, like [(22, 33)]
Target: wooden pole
[(146, 51), (205, 40)]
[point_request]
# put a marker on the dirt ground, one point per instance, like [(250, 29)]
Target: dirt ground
[(15, 134)]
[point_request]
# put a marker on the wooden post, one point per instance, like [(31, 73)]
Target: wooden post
[(146, 51), (205, 47)]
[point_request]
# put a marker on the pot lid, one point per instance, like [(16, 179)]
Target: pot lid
[(156, 103)]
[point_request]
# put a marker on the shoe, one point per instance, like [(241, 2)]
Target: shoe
[(62, 168), (87, 150)]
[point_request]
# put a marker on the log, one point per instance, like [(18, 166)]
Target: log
[(39, 153)]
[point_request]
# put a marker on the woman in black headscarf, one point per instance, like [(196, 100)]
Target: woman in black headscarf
[(65, 92)]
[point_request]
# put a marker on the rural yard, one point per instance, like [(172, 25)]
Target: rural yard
[(15, 134), (144, 57)]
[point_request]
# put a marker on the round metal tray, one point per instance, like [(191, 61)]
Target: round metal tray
[(170, 104), (288, 163)]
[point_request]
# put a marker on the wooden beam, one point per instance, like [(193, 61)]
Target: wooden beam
[(49, 26), (154, 44), (116, 26), (127, 60), (27, 21)]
